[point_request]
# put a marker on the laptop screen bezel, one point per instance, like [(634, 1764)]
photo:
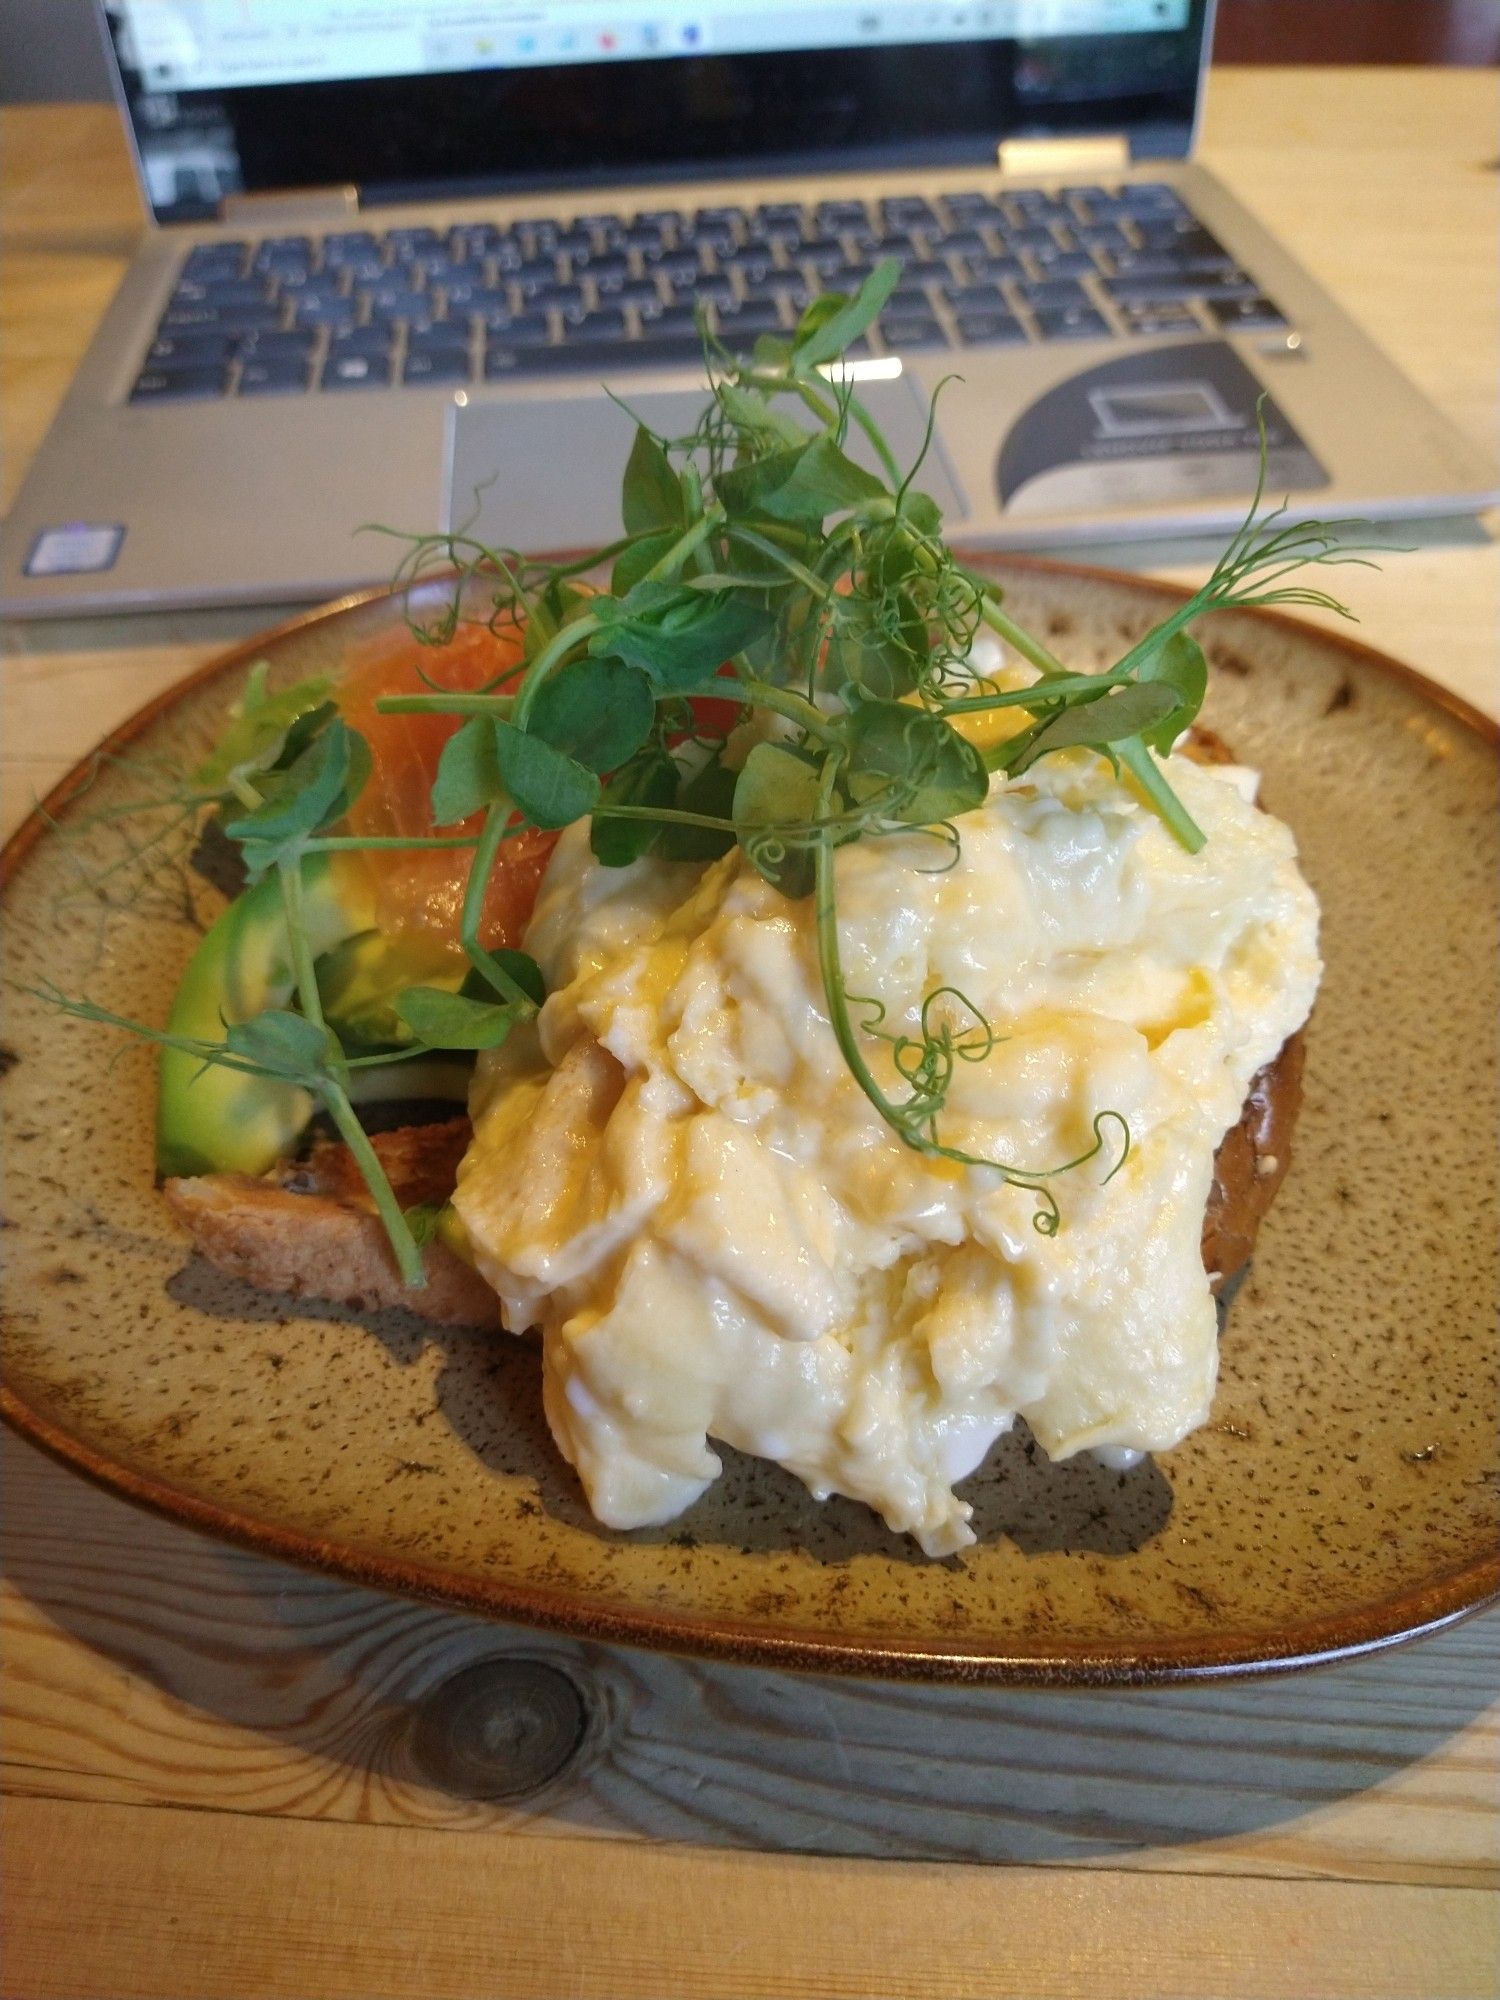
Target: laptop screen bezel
[(498, 131)]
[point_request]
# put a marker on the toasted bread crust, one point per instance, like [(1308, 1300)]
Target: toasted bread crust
[(309, 1229)]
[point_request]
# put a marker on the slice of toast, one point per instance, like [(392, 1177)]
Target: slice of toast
[(309, 1228)]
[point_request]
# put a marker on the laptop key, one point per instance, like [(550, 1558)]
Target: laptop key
[(823, 254), (317, 293), (436, 365), (1153, 197), (233, 319), (679, 267), (221, 292), (179, 385), (274, 378), (610, 273), (640, 293), (605, 356), (961, 243), (187, 350), (468, 240), (1102, 236), (568, 299), (1248, 315), (975, 298), (910, 331), (1167, 317), (1132, 263), (993, 267), (718, 237), (321, 311), (1051, 293), (1070, 323), (1152, 291), (678, 322), (908, 211), (280, 343), (989, 329), (356, 371), (528, 329), (1055, 263), (360, 340), (404, 243), (754, 260), (668, 220), (791, 285), (534, 272), (603, 323), (464, 301), (755, 316), (223, 259), (1182, 234)]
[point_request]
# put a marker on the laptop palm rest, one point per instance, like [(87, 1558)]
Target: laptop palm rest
[(543, 472)]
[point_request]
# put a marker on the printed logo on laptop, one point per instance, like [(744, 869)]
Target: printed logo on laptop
[(78, 548)]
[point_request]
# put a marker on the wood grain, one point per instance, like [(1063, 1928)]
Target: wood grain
[(211, 1759), (290, 1696), (348, 1913)]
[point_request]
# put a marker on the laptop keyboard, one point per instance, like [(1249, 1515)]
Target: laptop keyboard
[(363, 309)]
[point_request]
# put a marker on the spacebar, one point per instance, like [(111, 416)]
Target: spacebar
[(609, 355)]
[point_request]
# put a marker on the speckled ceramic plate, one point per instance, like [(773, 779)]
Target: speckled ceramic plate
[(1343, 1496)]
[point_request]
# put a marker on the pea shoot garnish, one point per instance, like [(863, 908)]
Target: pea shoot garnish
[(764, 564)]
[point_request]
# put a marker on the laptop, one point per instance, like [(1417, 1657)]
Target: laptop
[(400, 247)]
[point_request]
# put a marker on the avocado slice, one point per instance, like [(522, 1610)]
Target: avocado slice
[(215, 1120)]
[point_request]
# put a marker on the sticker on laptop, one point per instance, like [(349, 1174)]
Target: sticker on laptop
[(1160, 427), (78, 548)]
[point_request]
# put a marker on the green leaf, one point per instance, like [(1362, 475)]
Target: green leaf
[(633, 564), (924, 514), (650, 778), (550, 788), (285, 1044), (422, 1220), (299, 801), (468, 773), (742, 489), (829, 333), (803, 483), (933, 772), (652, 492), (778, 789), (880, 652), (596, 711), (257, 736), (750, 411), (825, 478), (710, 792), (453, 1021), (1094, 725), (519, 965), (1178, 664), (677, 636)]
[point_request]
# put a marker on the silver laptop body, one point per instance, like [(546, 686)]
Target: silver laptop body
[(1101, 320)]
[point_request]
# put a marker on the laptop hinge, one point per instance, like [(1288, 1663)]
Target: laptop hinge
[(315, 204), (1091, 153)]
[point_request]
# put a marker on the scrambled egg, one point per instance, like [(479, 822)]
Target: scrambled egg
[(676, 1177)]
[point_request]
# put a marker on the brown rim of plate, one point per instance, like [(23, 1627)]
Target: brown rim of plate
[(1319, 1640)]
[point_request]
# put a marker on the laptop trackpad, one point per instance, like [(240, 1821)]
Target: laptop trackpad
[(540, 473)]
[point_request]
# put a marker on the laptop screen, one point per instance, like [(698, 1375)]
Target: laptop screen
[(406, 98)]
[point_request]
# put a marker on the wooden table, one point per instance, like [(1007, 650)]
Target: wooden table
[(208, 1758)]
